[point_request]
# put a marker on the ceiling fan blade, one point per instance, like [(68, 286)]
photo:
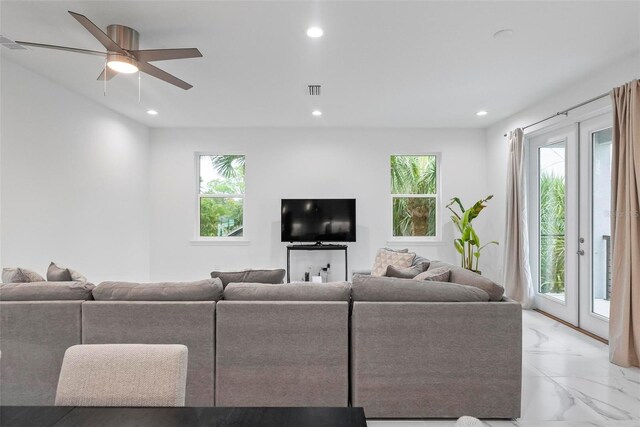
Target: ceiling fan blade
[(98, 33), (68, 49), (108, 73), (163, 75), (165, 54)]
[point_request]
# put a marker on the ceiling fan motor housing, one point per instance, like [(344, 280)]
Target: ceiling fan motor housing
[(127, 38)]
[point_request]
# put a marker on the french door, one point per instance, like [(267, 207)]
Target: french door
[(569, 200)]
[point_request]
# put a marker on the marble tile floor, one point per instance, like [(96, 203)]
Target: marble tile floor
[(567, 382)]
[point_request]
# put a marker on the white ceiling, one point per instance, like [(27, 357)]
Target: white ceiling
[(381, 64)]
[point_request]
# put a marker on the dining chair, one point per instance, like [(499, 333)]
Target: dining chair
[(123, 375)]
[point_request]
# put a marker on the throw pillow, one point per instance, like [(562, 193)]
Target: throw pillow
[(269, 276), (463, 276), (407, 273), (385, 258), (58, 274), (20, 275), (59, 271), (440, 274)]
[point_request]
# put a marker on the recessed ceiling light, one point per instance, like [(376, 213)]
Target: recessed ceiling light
[(315, 32), (505, 33), (316, 113), (152, 112), (481, 113)]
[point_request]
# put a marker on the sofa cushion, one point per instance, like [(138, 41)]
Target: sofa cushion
[(440, 274), (46, 291), (58, 273), (201, 290), (273, 276), (463, 276), (336, 291), (409, 272), (20, 275), (370, 288), (385, 258)]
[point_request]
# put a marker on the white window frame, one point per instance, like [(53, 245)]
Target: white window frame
[(198, 196), (417, 239)]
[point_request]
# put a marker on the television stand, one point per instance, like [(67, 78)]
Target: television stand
[(318, 246)]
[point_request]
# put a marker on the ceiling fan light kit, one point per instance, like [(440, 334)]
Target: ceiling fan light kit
[(121, 64), (128, 39), (123, 54)]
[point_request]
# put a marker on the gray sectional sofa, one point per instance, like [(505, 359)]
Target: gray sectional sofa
[(399, 349)]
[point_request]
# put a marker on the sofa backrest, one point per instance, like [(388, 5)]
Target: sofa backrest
[(282, 353), (336, 291), (191, 323), (34, 336)]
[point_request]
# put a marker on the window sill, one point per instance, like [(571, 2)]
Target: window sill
[(220, 242), (415, 242)]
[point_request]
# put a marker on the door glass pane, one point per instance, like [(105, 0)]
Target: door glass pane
[(601, 250), (552, 172)]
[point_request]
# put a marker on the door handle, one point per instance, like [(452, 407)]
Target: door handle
[(580, 252)]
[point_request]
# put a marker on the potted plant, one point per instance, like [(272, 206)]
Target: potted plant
[(468, 245)]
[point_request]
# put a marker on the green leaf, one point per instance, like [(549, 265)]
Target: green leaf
[(457, 243), (466, 234), (493, 242), (466, 218), (456, 221), (474, 237)]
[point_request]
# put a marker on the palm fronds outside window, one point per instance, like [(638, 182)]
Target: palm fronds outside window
[(221, 195), (414, 195)]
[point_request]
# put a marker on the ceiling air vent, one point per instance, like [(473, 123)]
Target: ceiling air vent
[(10, 44), (314, 90)]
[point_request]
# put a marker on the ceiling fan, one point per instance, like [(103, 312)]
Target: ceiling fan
[(122, 53)]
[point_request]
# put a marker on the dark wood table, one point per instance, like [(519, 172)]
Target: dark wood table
[(36, 416)]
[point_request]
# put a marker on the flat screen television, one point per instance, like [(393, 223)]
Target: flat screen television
[(318, 220)]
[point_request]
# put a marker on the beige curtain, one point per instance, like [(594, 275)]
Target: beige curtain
[(517, 272), (624, 324)]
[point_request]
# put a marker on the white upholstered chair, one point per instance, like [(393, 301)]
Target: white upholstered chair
[(123, 375), (469, 422)]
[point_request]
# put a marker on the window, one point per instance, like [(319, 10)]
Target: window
[(414, 196), (220, 195)]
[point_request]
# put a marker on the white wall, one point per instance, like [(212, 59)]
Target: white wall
[(497, 147), (74, 181), (74, 178), (292, 163)]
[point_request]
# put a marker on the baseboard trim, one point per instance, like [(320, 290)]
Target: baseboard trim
[(575, 328)]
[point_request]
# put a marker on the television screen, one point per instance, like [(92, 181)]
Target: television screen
[(318, 220)]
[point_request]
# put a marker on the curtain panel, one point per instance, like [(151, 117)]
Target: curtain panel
[(517, 272), (624, 323)]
